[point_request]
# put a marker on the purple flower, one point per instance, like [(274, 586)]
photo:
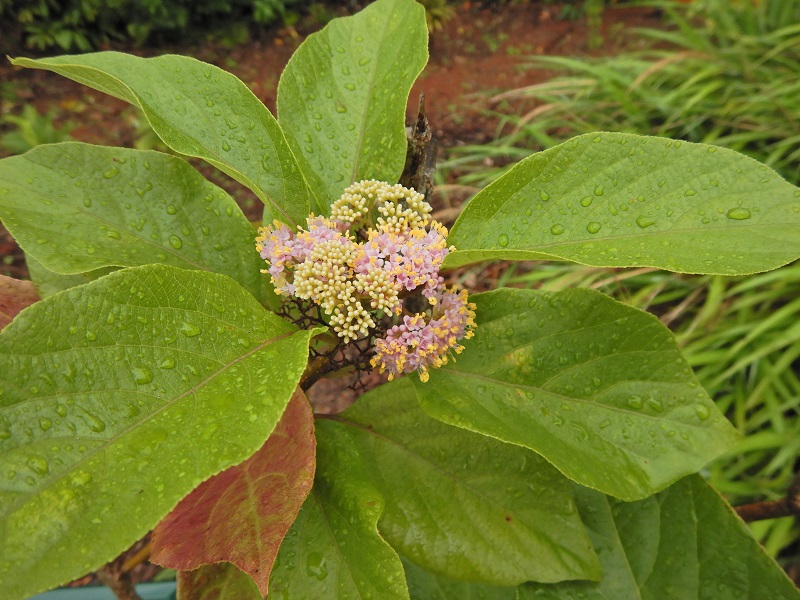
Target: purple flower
[(360, 283)]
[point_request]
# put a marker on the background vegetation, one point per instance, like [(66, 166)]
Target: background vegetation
[(725, 72)]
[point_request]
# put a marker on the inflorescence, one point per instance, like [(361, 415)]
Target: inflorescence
[(365, 266)]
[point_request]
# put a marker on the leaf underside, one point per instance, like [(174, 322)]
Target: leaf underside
[(241, 515)]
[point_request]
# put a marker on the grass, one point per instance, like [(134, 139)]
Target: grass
[(730, 75), (725, 73)]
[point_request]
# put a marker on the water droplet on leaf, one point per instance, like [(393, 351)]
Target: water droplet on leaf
[(738, 214), (142, 375), (643, 221)]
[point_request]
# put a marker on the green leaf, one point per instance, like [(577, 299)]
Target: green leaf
[(621, 200), (220, 581), (118, 398), (48, 283), (342, 97), (682, 544), (241, 515), (77, 208), (334, 550), (423, 585), (199, 110), (598, 388), (457, 503)]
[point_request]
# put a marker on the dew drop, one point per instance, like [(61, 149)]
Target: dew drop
[(702, 412), (635, 402), (112, 172), (316, 566), (167, 363), (503, 240), (643, 221), (557, 229), (226, 146), (598, 191), (544, 195), (175, 242), (189, 329), (738, 214), (91, 336), (689, 192), (45, 423), (95, 423), (593, 227), (141, 375), (586, 201), (38, 465), (171, 210)]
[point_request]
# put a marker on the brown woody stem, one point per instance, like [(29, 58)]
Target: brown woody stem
[(774, 509)]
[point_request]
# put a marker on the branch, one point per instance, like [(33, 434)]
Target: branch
[(118, 581), (774, 509), (421, 155)]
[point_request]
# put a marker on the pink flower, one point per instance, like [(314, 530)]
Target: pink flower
[(359, 284), (417, 344)]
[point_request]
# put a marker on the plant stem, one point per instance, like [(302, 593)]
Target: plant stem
[(774, 509), (118, 581)]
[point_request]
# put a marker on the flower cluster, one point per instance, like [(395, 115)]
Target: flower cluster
[(364, 264)]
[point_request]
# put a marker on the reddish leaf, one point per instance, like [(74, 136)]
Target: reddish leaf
[(242, 514), (15, 295), (221, 581)]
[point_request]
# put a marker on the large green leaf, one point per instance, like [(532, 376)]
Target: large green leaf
[(423, 585), (619, 200), (333, 550), (459, 503), (77, 208), (686, 543), (118, 398), (199, 110), (342, 97), (598, 388), (48, 282)]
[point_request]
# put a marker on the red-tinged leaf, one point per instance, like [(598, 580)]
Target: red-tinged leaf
[(221, 581), (242, 514), (14, 296)]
